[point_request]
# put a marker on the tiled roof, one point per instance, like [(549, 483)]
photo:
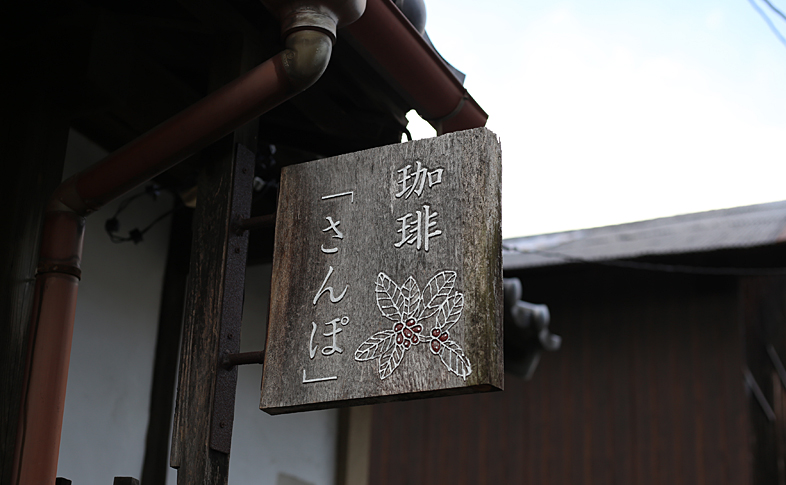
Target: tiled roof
[(739, 227)]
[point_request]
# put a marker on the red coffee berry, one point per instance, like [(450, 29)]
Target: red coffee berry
[(399, 339), (398, 327), (408, 333), (444, 336), (417, 328), (435, 345), (415, 340), (407, 343), (435, 332), (410, 322)]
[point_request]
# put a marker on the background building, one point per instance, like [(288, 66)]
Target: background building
[(670, 369)]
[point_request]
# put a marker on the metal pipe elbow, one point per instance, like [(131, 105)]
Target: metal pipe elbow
[(306, 57)]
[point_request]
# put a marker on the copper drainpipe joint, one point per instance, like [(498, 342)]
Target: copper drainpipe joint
[(309, 30), (306, 57), (323, 15)]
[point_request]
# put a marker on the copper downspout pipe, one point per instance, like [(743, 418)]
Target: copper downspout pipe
[(240, 101), (406, 59), (309, 32), (52, 325)]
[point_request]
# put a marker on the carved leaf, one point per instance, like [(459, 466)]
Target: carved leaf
[(450, 311), (452, 355), (390, 360), (375, 346), (388, 297), (410, 299), (436, 291)]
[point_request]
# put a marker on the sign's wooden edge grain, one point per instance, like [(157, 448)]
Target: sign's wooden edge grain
[(410, 396)]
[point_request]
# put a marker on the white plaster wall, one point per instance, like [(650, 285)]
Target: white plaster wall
[(109, 376), (264, 447), (106, 410)]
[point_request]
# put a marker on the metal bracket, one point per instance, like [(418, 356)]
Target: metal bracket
[(231, 360), (223, 412), (259, 222)]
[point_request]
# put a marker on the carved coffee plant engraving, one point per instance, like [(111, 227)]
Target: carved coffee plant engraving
[(411, 310)]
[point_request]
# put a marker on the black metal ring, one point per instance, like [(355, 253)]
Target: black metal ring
[(59, 268)]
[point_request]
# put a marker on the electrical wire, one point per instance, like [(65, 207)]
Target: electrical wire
[(768, 20), (136, 234), (112, 225), (774, 9), (658, 267)]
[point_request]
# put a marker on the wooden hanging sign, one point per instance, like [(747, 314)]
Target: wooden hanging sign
[(387, 276)]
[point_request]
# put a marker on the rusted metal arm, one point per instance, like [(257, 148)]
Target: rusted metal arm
[(259, 222), (243, 358)]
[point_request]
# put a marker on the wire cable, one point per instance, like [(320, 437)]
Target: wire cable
[(112, 225), (768, 20), (774, 9)]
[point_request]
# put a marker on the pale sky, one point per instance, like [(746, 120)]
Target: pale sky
[(612, 112)]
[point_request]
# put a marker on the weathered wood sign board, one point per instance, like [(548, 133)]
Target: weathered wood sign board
[(387, 276)]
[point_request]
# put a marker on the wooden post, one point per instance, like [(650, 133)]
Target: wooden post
[(191, 454), (200, 354)]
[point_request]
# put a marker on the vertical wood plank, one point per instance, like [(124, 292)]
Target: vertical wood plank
[(154, 468), (191, 453), (195, 461)]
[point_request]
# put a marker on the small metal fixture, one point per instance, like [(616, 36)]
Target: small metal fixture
[(259, 222), (243, 358)]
